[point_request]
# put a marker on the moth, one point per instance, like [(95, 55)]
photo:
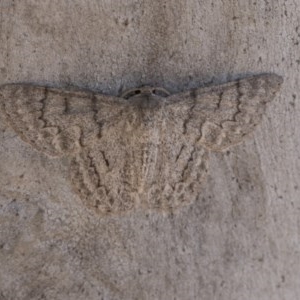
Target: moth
[(146, 148)]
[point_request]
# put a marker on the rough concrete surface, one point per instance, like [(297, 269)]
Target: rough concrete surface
[(239, 239)]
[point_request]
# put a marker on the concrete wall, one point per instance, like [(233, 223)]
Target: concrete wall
[(240, 240)]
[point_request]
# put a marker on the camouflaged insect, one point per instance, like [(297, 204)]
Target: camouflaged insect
[(146, 148)]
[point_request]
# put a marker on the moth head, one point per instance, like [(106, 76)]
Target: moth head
[(147, 101), (146, 91)]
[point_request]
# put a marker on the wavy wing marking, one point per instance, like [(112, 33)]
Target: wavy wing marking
[(55, 121), (230, 111)]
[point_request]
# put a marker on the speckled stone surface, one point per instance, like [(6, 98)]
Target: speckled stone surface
[(239, 239)]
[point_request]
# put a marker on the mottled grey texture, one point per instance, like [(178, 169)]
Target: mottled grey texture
[(143, 149), (239, 239)]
